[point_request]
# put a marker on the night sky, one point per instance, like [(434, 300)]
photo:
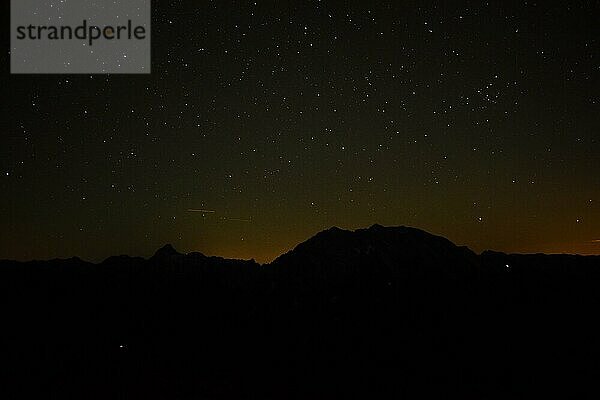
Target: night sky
[(478, 121)]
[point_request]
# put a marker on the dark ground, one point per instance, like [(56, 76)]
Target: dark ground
[(376, 313)]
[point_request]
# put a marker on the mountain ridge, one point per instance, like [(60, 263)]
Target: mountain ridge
[(333, 234), (396, 310)]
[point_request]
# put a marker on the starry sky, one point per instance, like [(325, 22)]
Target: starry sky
[(265, 122)]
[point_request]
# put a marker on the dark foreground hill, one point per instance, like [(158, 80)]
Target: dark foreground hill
[(375, 313)]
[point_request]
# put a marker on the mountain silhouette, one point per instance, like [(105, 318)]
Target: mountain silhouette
[(395, 248), (166, 252), (382, 312)]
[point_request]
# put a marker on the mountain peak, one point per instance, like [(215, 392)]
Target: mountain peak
[(376, 227), (166, 251), (395, 247)]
